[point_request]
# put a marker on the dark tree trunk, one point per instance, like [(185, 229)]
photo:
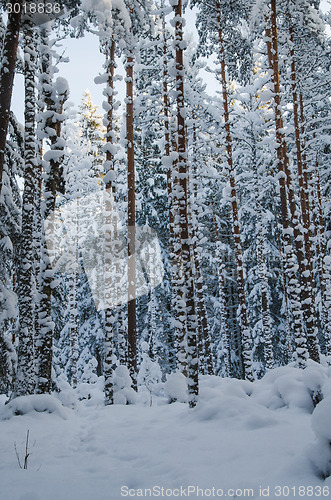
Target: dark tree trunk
[(7, 73), (284, 181), (25, 377), (186, 290), (53, 184), (111, 234), (308, 286), (246, 341), (132, 326)]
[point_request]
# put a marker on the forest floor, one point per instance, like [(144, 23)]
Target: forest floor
[(242, 439)]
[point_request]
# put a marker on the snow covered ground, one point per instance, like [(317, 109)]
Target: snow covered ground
[(242, 440)]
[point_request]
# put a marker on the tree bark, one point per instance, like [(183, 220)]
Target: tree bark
[(132, 326), (308, 286), (225, 334), (206, 358), (186, 291), (172, 182), (7, 73), (245, 334), (284, 181), (25, 377), (53, 184)]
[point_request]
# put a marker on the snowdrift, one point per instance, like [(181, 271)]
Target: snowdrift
[(243, 439)]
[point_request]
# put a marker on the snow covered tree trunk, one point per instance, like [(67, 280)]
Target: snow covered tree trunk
[(186, 292), (54, 94), (317, 223), (112, 246), (25, 377), (266, 319), (206, 363), (246, 340), (176, 261), (308, 286), (262, 267), (286, 304), (323, 268), (283, 174), (7, 363), (170, 163), (110, 317), (225, 334), (132, 320), (37, 211), (7, 71), (73, 324)]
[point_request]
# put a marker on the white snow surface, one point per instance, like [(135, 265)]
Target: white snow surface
[(241, 436)]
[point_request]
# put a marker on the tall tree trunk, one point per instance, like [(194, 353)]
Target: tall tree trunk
[(284, 181), (225, 334), (186, 291), (283, 264), (38, 220), (132, 326), (53, 184), (308, 295), (323, 269), (261, 231), (73, 323), (111, 233), (25, 377), (176, 258), (7, 71), (206, 363), (266, 319), (246, 340), (172, 181)]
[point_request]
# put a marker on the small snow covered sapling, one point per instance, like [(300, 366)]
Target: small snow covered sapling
[(123, 392), (150, 374), (27, 453), (175, 388)]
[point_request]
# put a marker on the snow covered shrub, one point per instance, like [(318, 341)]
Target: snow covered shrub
[(314, 378), (292, 387), (92, 392), (150, 375), (175, 388), (64, 392), (35, 402), (123, 392), (321, 451), (89, 371)]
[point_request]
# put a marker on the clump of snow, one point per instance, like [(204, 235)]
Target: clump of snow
[(61, 86), (175, 388), (33, 403), (123, 392)]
